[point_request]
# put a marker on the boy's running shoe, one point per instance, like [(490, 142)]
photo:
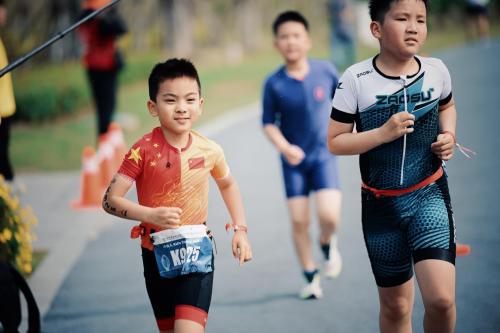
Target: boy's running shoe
[(313, 289), (333, 266)]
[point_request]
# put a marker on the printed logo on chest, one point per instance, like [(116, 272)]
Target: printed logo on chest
[(196, 163), (319, 94)]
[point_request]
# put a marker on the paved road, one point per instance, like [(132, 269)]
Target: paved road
[(104, 290)]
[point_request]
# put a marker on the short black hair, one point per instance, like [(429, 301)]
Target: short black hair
[(378, 8), (171, 69), (289, 15)]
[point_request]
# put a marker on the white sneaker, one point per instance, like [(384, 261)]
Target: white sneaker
[(313, 289), (333, 266)]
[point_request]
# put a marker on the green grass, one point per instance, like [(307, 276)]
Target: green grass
[(57, 145)]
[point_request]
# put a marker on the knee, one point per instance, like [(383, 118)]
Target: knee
[(440, 304), (328, 225), (329, 222), (396, 309), (300, 225)]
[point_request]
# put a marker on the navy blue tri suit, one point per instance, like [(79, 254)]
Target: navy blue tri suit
[(417, 225), (300, 108)]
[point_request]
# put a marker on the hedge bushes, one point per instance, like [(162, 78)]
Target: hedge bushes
[(47, 91), (38, 103)]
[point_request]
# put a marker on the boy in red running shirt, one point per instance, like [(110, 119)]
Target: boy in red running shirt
[(171, 167)]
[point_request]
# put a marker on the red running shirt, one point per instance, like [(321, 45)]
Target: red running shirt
[(169, 177)]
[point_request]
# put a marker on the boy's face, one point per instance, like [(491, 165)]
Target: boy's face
[(178, 104), (292, 41), (404, 29)]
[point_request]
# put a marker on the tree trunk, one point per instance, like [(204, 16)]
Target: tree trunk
[(248, 20), (179, 38)]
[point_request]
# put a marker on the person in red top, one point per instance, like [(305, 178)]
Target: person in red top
[(171, 167), (101, 57)]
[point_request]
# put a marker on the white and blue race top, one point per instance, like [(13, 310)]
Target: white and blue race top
[(368, 97)]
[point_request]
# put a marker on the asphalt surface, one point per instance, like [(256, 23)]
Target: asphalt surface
[(96, 271)]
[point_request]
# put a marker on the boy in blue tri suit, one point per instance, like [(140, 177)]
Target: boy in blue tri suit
[(296, 105), (405, 119)]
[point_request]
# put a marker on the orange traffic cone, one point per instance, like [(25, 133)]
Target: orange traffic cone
[(90, 187), (118, 142), (463, 250), (105, 157)]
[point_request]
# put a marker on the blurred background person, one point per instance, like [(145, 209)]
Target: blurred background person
[(478, 25), (342, 45), (7, 106), (102, 59)]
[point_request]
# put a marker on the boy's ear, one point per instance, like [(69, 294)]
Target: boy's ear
[(376, 29), (309, 42), (152, 108), (201, 105)]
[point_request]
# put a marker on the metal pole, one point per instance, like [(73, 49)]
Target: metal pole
[(59, 35)]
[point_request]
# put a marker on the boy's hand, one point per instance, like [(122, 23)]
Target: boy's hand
[(398, 125), (443, 147), (165, 217), (241, 247), (294, 154)]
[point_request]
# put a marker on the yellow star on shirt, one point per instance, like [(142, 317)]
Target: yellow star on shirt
[(158, 155), (152, 163), (134, 155)]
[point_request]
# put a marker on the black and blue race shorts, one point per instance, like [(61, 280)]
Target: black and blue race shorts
[(400, 231), (185, 297)]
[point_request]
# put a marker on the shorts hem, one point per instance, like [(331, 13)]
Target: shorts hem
[(393, 281), (191, 313), (296, 195), (434, 253), (165, 324), (335, 187)]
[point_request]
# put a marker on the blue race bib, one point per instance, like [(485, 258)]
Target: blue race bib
[(182, 251)]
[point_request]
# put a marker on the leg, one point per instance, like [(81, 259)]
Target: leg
[(325, 181), (110, 81), (396, 304), (187, 326), (328, 203), (10, 302), (193, 297), (390, 258), (5, 166), (436, 280), (103, 85), (432, 237), (190, 319), (483, 26), (297, 193), (299, 213), (160, 293)]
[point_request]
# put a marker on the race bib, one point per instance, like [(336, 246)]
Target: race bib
[(184, 250)]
